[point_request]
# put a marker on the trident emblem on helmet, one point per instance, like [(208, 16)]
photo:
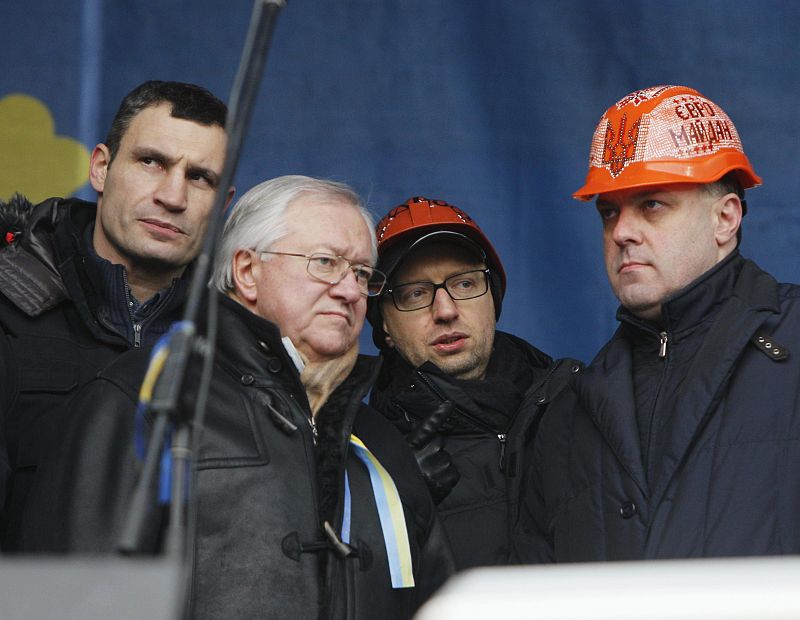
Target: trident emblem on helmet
[(619, 148)]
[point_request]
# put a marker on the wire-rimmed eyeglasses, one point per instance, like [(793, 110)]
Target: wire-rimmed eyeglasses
[(333, 269), (418, 295)]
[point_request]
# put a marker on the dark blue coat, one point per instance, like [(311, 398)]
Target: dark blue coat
[(720, 474)]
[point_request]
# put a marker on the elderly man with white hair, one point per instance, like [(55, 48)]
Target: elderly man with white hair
[(309, 503)]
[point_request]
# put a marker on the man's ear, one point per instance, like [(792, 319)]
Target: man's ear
[(245, 274), (728, 211), (98, 167), (231, 192), (387, 337)]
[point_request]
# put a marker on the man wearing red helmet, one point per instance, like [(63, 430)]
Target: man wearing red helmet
[(467, 397), (682, 438)]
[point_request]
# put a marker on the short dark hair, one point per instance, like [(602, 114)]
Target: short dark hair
[(729, 184), (188, 101)]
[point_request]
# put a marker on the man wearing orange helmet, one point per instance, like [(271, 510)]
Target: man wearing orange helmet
[(467, 397), (682, 438)]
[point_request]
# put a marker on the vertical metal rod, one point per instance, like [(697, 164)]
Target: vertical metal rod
[(166, 395)]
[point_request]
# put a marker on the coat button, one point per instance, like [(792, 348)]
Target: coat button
[(247, 379), (274, 365), (627, 510)]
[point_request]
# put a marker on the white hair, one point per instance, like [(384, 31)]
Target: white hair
[(258, 219)]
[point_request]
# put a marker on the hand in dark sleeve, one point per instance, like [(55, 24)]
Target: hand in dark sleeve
[(437, 466)]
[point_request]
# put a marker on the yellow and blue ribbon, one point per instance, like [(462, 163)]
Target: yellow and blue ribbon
[(158, 359), (390, 512)]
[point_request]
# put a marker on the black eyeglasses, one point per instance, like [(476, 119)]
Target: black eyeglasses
[(419, 295), (333, 269)]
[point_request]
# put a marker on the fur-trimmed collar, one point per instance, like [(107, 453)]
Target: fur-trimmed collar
[(336, 421)]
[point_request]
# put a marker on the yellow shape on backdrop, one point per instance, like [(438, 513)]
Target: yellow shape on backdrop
[(34, 161)]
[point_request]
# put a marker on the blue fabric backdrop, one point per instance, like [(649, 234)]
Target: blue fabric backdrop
[(489, 105)]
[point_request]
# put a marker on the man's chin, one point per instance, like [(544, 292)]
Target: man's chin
[(644, 309), (330, 349), (159, 261), (458, 366)]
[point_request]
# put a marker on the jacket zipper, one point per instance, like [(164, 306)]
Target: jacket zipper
[(662, 347), (137, 327), (662, 354), (313, 424), (502, 438)]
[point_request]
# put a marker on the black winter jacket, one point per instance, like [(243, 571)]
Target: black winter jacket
[(55, 332), (264, 490), (718, 474), (482, 510)]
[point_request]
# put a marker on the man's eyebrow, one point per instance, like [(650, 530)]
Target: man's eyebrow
[(152, 153), (637, 196), (149, 152), (210, 176), (328, 248)]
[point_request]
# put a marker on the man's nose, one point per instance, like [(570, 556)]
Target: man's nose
[(444, 308), (171, 191), (348, 287), (626, 227)]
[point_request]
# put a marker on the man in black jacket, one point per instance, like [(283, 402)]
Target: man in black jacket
[(467, 397), (81, 283), (309, 504), (682, 438)]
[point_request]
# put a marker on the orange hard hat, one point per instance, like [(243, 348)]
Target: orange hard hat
[(664, 134), (419, 219)]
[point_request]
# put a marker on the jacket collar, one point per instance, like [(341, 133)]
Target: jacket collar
[(116, 307), (78, 272), (30, 273), (249, 344), (693, 305)]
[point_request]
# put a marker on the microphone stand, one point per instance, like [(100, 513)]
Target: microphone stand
[(166, 402)]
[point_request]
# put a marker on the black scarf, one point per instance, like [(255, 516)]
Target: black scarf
[(499, 395)]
